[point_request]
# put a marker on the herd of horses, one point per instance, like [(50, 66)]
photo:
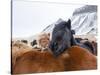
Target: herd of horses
[(64, 53)]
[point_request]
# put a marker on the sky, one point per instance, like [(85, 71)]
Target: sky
[(30, 18)]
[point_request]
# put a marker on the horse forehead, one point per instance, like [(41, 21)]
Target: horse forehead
[(59, 26), (58, 32), (60, 29)]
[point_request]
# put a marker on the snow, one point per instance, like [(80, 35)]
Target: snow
[(83, 21)]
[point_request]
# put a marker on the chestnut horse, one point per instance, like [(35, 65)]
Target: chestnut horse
[(74, 58)]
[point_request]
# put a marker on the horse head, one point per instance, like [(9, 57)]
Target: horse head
[(62, 37)]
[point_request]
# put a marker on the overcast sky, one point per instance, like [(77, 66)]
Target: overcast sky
[(30, 18)]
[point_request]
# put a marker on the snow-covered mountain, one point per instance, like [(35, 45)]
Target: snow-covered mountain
[(84, 21)]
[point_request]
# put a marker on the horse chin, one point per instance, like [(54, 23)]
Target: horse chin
[(60, 49)]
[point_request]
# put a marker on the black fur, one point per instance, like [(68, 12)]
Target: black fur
[(24, 41), (89, 46), (78, 39), (62, 38), (33, 43)]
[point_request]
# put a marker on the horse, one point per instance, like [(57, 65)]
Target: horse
[(72, 59), (36, 61), (80, 59), (62, 38), (89, 43), (18, 48), (42, 41)]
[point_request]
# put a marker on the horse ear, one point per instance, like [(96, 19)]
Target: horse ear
[(69, 24)]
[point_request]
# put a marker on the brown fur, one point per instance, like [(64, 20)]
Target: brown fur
[(18, 48), (80, 59), (36, 61), (75, 58)]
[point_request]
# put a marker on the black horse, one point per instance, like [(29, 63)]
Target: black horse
[(62, 38)]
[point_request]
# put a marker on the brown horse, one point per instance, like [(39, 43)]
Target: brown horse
[(80, 59), (75, 58), (42, 41), (36, 61), (18, 48)]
